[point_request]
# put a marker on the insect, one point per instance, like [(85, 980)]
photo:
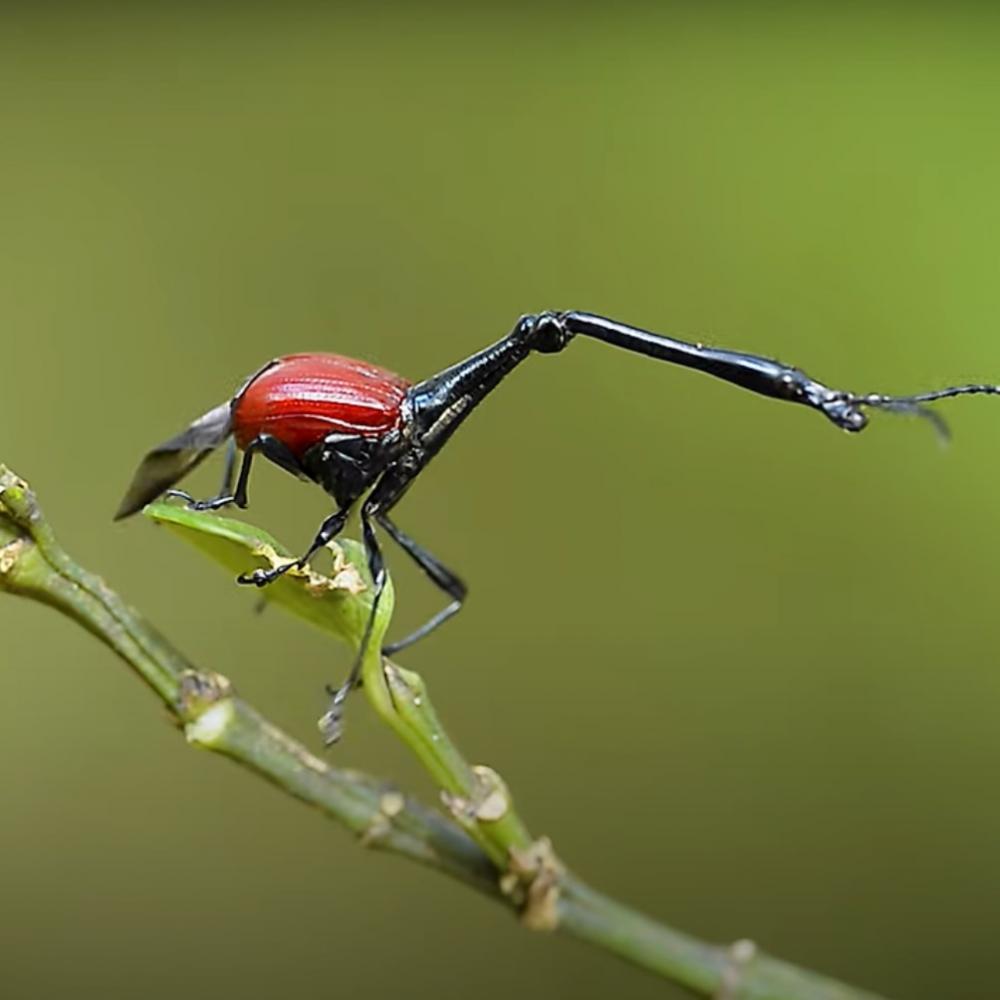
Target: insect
[(360, 431)]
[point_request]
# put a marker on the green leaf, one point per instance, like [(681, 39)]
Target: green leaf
[(339, 604)]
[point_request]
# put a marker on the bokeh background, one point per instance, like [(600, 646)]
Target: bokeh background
[(740, 667)]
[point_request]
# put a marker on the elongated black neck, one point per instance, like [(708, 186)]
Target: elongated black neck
[(440, 403), (750, 371)]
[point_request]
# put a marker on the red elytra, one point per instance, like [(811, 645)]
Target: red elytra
[(301, 398)]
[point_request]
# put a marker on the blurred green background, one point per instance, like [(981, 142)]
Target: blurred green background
[(740, 667)]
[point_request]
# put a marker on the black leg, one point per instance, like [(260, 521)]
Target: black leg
[(331, 723), (328, 530), (268, 446), (227, 495), (279, 453), (440, 574), (387, 492), (228, 469)]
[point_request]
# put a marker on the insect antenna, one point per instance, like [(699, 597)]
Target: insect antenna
[(917, 403)]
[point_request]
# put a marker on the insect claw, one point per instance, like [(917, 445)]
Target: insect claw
[(331, 727), (331, 722), (181, 495)]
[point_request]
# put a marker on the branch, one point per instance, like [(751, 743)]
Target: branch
[(483, 844)]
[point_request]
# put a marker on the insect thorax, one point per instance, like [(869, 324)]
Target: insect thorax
[(347, 465)]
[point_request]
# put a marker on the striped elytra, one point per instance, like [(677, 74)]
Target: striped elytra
[(301, 398)]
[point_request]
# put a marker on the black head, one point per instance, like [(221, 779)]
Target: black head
[(545, 332)]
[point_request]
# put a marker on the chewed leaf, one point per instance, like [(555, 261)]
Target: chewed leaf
[(338, 603), (345, 576)]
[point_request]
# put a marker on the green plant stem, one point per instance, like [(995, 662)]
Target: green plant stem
[(738, 972), (33, 565), (476, 796)]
